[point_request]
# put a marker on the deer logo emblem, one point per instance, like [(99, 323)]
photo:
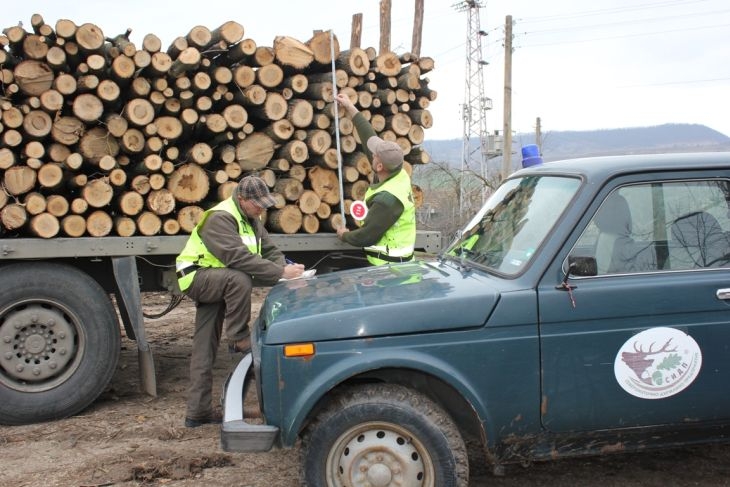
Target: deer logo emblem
[(648, 371)]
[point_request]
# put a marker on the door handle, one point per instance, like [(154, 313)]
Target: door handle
[(723, 293)]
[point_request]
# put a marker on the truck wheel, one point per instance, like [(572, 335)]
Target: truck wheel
[(384, 435), (59, 342)]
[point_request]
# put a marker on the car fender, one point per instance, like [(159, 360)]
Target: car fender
[(344, 369)]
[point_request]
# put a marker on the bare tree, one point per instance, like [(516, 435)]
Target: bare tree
[(443, 185)]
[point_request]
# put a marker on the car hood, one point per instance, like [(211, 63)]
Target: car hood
[(375, 301)]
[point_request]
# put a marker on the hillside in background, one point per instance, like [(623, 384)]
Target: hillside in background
[(572, 144)]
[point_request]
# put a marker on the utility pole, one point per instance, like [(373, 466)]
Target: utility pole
[(538, 135), (507, 116), (474, 148)]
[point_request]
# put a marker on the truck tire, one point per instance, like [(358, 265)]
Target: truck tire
[(59, 342), (385, 435)]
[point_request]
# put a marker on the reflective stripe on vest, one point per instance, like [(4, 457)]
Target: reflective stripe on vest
[(399, 241), (196, 253)]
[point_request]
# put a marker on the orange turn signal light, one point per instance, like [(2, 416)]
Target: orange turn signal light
[(299, 350)]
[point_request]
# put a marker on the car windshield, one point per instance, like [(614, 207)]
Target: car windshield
[(513, 223)]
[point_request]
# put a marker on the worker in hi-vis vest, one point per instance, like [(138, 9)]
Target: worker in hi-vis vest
[(228, 253), (387, 233)]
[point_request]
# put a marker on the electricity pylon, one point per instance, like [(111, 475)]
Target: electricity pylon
[(474, 150)]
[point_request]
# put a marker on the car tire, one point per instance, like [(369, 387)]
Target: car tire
[(384, 434), (59, 342)]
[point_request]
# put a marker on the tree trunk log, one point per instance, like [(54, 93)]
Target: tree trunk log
[(148, 223), (325, 183), (309, 202), (292, 53), (189, 183), (291, 189), (98, 193), (73, 225), (99, 224), (44, 225), (286, 220), (19, 180), (255, 151)]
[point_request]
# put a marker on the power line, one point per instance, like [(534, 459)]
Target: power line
[(573, 28), (625, 36), (605, 11)]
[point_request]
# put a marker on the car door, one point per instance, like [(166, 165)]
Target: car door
[(644, 341)]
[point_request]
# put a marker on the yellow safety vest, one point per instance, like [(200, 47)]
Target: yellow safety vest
[(398, 242), (196, 255)]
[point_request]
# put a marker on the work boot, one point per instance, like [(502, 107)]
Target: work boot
[(240, 346), (215, 417)]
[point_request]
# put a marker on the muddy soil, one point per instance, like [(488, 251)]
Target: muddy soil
[(127, 438)]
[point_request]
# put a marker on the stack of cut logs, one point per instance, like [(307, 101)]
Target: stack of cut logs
[(101, 137)]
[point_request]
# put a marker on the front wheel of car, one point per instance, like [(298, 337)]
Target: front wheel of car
[(384, 435)]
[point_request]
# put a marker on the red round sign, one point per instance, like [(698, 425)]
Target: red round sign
[(358, 210)]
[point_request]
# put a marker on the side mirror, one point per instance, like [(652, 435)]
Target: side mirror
[(582, 266)]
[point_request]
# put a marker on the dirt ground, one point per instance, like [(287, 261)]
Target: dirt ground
[(129, 439)]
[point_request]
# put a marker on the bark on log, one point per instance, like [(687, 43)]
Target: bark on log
[(332, 223), (354, 61), (285, 220), (318, 141), (300, 113), (295, 151), (328, 160), (280, 130), (289, 188), (292, 53), (322, 48)]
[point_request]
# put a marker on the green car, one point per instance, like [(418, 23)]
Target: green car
[(585, 309)]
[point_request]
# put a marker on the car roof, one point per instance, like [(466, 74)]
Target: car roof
[(605, 167)]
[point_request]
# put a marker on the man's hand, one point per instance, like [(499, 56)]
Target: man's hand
[(292, 270), (344, 100), (341, 231)]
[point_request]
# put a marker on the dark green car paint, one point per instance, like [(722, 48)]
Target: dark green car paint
[(531, 361)]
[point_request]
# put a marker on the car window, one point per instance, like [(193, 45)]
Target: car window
[(504, 235), (662, 226)]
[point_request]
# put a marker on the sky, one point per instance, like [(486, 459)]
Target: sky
[(576, 65)]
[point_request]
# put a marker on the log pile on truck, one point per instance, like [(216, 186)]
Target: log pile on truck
[(100, 137)]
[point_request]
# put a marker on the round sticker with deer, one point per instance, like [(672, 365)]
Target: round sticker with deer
[(657, 363)]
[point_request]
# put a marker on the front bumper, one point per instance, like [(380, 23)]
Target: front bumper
[(236, 434)]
